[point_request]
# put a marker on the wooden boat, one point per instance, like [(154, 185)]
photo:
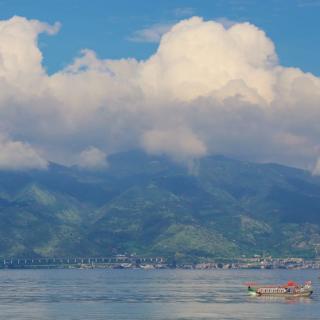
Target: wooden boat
[(290, 289)]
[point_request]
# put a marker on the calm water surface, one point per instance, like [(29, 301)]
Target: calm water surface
[(154, 294)]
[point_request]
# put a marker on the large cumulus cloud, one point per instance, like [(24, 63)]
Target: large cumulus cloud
[(207, 89)]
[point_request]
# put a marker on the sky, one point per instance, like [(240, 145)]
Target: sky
[(81, 80)]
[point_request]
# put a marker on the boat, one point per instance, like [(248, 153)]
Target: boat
[(290, 289)]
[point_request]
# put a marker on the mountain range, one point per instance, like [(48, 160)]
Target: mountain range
[(149, 205)]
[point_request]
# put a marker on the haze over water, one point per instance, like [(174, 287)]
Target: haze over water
[(148, 295)]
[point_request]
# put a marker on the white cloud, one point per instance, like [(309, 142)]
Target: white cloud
[(18, 155), (92, 158), (151, 34), (181, 143), (198, 58), (207, 89)]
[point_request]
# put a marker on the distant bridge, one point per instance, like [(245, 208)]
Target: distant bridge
[(56, 262)]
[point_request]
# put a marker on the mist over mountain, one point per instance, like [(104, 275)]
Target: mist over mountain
[(150, 205)]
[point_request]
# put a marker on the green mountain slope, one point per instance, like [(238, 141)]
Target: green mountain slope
[(148, 205)]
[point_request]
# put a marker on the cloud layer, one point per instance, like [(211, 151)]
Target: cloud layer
[(208, 89)]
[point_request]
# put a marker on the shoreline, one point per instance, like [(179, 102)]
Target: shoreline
[(147, 267)]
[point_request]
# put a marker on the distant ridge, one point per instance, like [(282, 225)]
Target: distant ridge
[(152, 206)]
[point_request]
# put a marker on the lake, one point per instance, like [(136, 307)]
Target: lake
[(150, 294)]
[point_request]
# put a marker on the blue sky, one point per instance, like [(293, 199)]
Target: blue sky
[(108, 26)]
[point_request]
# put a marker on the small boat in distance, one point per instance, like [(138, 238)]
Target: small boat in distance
[(290, 289)]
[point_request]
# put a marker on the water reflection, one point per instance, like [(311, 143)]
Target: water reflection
[(281, 299)]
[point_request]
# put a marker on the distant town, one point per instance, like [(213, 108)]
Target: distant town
[(148, 263)]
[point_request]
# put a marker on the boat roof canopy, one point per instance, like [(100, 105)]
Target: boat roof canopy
[(292, 284)]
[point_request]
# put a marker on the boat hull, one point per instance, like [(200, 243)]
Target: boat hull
[(295, 295), (280, 292)]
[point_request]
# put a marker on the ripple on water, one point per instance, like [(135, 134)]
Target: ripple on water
[(151, 295)]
